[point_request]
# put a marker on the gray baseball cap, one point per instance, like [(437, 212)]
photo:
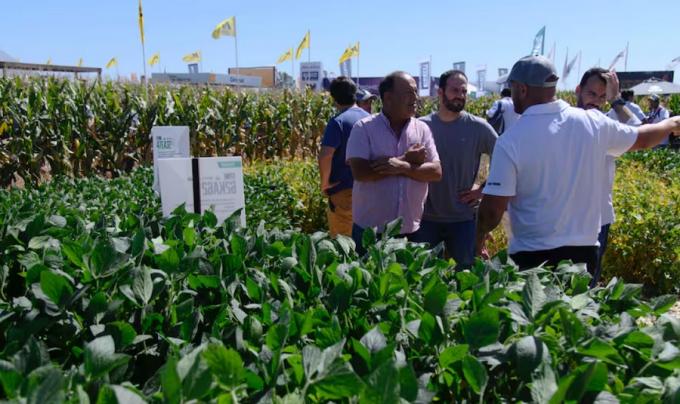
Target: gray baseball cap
[(363, 95), (534, 71)]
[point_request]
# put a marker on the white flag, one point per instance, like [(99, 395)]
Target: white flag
[(570, 66), (618, 57), (674, 63), (539, 40)]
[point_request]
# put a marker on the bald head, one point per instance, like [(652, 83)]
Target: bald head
[(399, 94), (524, 96)]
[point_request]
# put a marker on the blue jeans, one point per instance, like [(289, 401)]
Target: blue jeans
[(603, 237), (458, 238)]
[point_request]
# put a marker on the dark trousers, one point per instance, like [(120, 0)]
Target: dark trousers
[(602, 238), (577, 255)]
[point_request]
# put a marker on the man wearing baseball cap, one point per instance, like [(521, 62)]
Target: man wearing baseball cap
[(548, 169), (365, 100)]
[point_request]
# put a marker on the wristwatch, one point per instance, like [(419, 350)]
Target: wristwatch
[(618, 102)]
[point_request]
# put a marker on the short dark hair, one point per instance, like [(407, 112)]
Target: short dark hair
[(506, 92), (343, 90), (445, 77), (593, 71), (627, 94), (387, 84)]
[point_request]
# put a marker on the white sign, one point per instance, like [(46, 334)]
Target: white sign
[(220, 185), (425, 75), (168, 142), (311, 74)]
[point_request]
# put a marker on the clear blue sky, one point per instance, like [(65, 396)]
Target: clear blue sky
[(394, 35)]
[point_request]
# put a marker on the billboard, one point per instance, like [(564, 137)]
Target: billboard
[(266, 73), (459, 66), (311, 74)]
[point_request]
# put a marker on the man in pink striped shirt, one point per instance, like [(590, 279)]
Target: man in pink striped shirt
[(393, 157)]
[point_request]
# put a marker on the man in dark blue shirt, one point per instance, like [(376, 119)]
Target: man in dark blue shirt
[(336, 175)]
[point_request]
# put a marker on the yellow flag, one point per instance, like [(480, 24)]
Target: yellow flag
[(112, 62), (155, 59), (141, 22), (286, 56), (192, 57), (304, 44), (225, 28), (80, 62), (349, 53)]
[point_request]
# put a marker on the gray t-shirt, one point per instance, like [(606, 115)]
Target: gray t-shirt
[(460, 144)]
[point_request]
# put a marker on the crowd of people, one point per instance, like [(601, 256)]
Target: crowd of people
[(551, 170)]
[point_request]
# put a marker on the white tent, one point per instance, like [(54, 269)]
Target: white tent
[(6, 58), (654, 86)]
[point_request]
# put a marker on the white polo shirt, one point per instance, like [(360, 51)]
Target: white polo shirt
[(552, 162), (509, 114)]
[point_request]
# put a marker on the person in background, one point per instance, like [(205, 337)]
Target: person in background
[(505, 107), (461, 139), (629, 97), (657, 113), (598, 86), (393, 158), (336, 175), (365, 100)]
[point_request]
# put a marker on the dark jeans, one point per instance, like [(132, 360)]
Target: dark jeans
[(358, 234), (577, 255), (603, 238), (458, 237)]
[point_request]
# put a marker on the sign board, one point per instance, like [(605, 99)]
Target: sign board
[(311, 74), (459, 66), (219, 185), (267, 74), (346, 68), (168, 142), (206, 78), (424, 76)]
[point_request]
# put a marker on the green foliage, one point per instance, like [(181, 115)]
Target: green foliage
[(103, 300), (645, 239)]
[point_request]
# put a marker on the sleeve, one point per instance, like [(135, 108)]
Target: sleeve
[(489, 137), (664, 114), (332, 136), (428, 142), (502, 180), (493, 108), (616, 137), (358, 145)]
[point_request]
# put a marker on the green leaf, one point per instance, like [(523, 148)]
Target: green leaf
[(45, 385), (9, 378), (453, 354), (74, 253), (466, 280), (168, 261), (602, 350), (408, 383), (374, 340), (475, 374), (204, 281), (100, 357), (170, 381), (56, 287), (527, 354), (543, 383), (195, 374), (339, 382), (44, 242), (482, 327), (142, 285), (383, 385), (189, 236), (435, 298), (123, 333), (125, 395), (226, 365), (533, 296)]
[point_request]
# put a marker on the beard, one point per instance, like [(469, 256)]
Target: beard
[(581, 104), (454, 104)]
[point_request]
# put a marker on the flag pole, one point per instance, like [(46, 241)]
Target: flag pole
[(358, 63), (625, 63), (309, 48), (238, 75), (292, 63), (580, 56)]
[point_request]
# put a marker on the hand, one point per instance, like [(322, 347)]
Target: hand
[(390, 166), (480, 246), (612, 85), (676, 125), (415, 154), (325, 187), (471, 197)]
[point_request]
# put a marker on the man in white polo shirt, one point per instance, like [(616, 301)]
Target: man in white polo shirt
[(549, 168)]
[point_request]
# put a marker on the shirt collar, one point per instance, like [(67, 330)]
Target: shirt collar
[(547, 108), (383, 117)]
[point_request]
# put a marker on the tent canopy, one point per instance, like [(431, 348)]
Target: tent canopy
[(654, 86)]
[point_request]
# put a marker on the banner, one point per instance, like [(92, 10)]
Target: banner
[(459, 66), (539, 42), (218, 185), (481, 79), (424, 75), (346, 68), (502, 71), (168, 142)]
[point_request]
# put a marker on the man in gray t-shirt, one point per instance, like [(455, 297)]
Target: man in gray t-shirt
[(461, 139)]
